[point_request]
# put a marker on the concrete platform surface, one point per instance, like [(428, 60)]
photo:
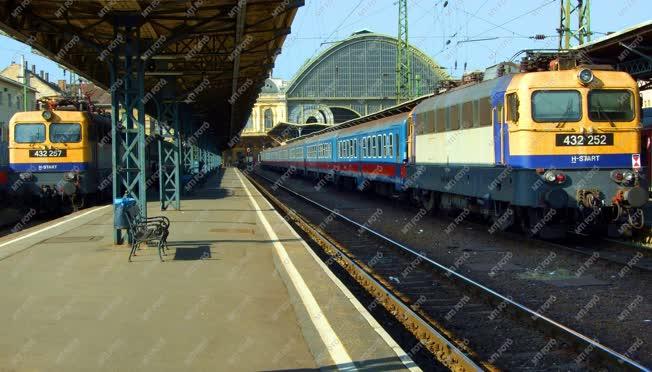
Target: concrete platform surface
[(239, 291)]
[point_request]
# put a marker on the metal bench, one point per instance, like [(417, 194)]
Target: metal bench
[(152, 231)]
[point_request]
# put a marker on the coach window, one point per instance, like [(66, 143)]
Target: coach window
[(374, 146), (367, 145), (351, 148), (355, 147), (386, 144), (467, 115), (441, 120), (423, 122), (379, 150), (419, 123), (512, 107), (397, 145), (454, 112), (484, 116), (368, 140), (430, 128), (391, 145)]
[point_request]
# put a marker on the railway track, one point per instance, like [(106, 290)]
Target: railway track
[(602, 249), (481, 323)]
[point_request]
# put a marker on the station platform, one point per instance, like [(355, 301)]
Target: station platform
[(240, 290)]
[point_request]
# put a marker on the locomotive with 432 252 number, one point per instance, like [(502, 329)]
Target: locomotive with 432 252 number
[(548, 146)]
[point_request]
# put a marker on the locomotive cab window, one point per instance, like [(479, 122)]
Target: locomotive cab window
[(512, 107), (611, 105), (65, 132), (29, 133), (556, 105)]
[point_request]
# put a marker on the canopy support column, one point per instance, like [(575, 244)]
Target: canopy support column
[(169, 145), (128, 119)]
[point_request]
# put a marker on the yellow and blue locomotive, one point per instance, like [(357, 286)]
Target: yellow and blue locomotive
[(56, 157), (550, 145), (547, 149)]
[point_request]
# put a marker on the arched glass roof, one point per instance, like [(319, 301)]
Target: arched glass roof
[(357, 74)]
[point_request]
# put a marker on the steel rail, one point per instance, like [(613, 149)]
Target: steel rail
[(445, 350), (592, 343)]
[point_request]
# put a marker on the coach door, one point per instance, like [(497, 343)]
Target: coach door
[(500, 132), (410, 141)]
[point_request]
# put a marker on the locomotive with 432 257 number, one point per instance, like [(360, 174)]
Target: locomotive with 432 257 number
[(60, 158)]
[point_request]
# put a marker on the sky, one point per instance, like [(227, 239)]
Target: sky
[(507, 24), (431, 25)]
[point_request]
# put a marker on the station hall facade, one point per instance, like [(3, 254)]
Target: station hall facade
[(352, 78)]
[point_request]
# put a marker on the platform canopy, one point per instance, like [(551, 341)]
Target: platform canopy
[(214, 55), (627, 50)]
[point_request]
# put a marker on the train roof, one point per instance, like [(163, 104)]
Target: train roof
[(404, 107), (460, 94)]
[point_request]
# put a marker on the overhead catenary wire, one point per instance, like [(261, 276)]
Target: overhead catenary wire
[(343, 20), (502, 24)]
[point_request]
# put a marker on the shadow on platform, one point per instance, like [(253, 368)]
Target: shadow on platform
[(201, 252)]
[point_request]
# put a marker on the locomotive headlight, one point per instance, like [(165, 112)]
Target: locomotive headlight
[(550, 176), (25, 176), (70, 176), (617, 176), (585, 76), (47, 115), (628, 176)]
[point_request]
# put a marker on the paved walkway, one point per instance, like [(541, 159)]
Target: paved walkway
[(226, 299)]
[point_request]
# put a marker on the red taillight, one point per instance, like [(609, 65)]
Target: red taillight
[(560, 178), (618, 176)]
